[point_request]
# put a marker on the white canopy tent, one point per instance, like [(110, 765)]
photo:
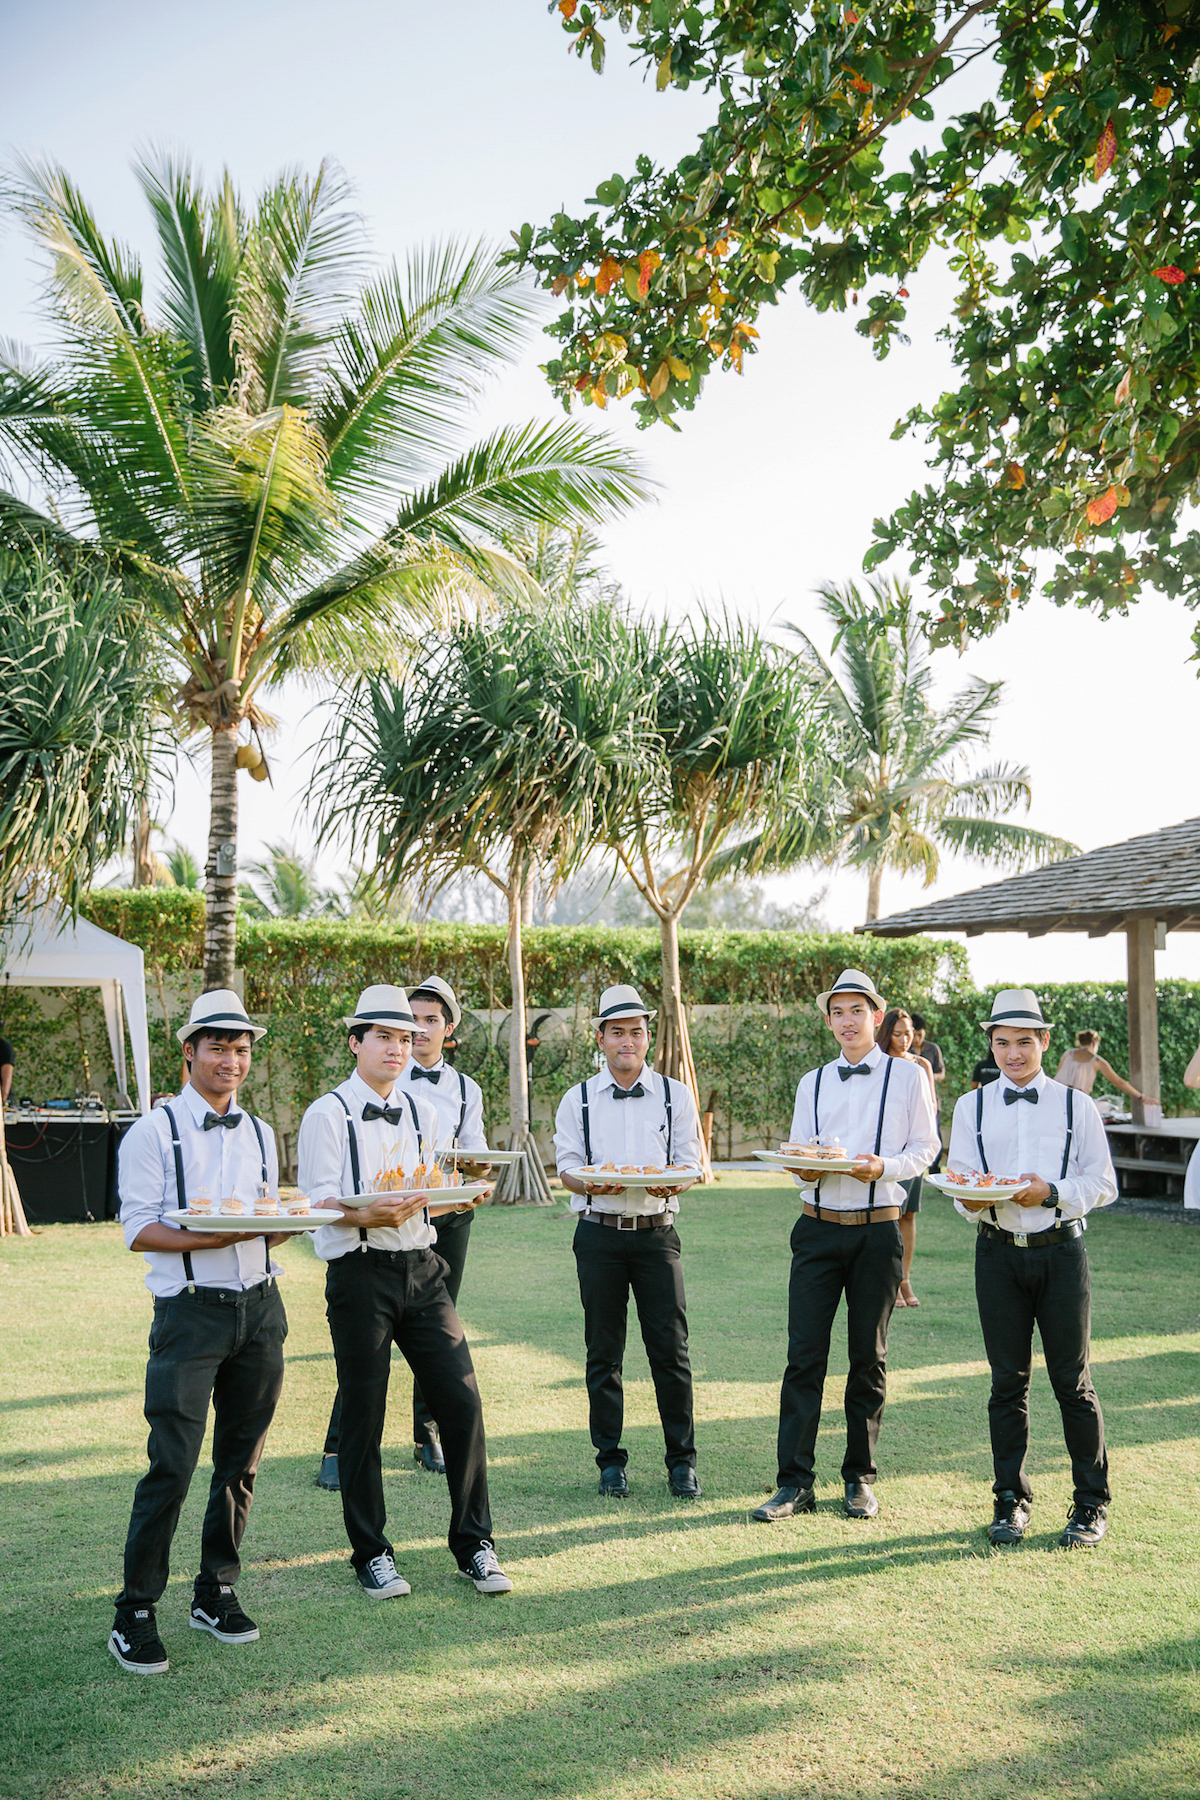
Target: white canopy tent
[(51, 951)]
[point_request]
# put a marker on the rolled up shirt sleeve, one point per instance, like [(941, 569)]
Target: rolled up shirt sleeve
[(142, 1178)]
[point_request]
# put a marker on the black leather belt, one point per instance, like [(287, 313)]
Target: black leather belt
[(1029, 1240), (629, 1221)]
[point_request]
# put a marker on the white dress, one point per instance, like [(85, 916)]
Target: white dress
[(1191, 1181)]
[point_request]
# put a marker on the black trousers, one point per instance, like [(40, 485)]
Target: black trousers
[(829, 1260), (453, 1234), (375, 1298), (1048, 1285), (610, 1263), (213, 1344)]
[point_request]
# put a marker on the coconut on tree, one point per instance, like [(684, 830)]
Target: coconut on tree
[(270, 450)]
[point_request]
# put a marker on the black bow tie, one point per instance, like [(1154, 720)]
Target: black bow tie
[(1027, 1093), (636, 1092), (846, 1070), (420, 1074), (392, 1114), (228, 1121)]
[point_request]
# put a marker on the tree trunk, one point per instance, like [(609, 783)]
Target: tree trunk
[(527, 902), (874, 886), (143, 862), (524, 1180), (672, 1040), (220, 926)]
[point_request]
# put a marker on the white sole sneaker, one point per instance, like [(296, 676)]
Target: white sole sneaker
[(395, 1590), (498, 1583), (132, 1668), (213, 1627)]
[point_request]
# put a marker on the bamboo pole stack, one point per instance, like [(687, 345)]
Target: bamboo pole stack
[(13, 1222)]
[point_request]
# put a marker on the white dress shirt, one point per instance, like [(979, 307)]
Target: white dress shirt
[(1027, 1139), (848, 1111), (447, 1095), (627, 1131), (219, 1163), (324, 1168)]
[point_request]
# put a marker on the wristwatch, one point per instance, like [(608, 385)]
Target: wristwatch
[(1052, 1198)]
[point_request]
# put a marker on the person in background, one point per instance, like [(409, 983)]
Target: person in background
[(6, 1070), (1031, 1266), (897, 1036), (218, 1330), (1080, 1067), (1191, 1181), (986, 1070), (921, 1046)]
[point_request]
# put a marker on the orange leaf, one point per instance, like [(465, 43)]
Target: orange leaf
[(1162, 97), (1106, 150), (659, 380), (567, 8), (1170, 274), (600, 395), (608, 272), (1122, 392), (851, 17), (1101, 510), (860, 86), (648, 261), (559, 285), (1016, 475), (902, 293), (1168, 32)]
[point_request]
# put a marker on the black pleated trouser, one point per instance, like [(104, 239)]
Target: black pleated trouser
[(610, 1264), (1047, 1285), (453, 1236), (828, 1260), (375, 1298), (215, 1345)]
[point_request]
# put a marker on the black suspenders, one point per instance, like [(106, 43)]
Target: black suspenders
[(181, 1188), (356, 1166), (462, 1111), (887, 1076), (1066, 1155), (587, 1132)]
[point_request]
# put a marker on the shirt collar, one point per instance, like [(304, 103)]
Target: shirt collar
[(198, 1109), (643, 1075), (1040, 1080), (357, 1089), (872, 1059)]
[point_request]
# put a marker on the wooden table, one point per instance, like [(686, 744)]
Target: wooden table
[(1151, 1160)]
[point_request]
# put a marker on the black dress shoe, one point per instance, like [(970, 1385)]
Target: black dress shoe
[(684, 1485), (1086, 1525), (783, 1503), (1010, 1518), (430, 1457), (328, 1475), (860, 1502), (614, 1483)]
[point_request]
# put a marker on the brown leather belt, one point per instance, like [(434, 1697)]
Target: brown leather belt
[(876, 1215), (629, 1221)]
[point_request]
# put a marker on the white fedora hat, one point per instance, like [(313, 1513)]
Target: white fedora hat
[(851, 981), (218, 1010), (382, 1005), (1017, 1006), (433, 984), (621, 1002)]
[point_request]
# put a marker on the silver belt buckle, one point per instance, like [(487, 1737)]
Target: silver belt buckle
[(627, 1222), (1021, 1238)]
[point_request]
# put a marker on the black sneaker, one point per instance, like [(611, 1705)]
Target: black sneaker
[(135, 1642), (1086, 1525), (484, 1570), (381, 1580), (1010, 1518), (217, 1611)]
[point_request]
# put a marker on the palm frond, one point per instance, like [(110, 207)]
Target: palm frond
[(200, 243), (1005, 845)]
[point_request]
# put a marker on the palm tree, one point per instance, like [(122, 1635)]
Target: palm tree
[(507, 751), (288, 887), (905, 788), (732, 748), (271, 455), (77, 725)]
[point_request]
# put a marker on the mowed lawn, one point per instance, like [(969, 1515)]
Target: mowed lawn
[(651, 1649)]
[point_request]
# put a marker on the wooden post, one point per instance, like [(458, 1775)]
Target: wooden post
[(1142, 1008)]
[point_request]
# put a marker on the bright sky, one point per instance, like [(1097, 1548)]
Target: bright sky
[(466, 121)]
